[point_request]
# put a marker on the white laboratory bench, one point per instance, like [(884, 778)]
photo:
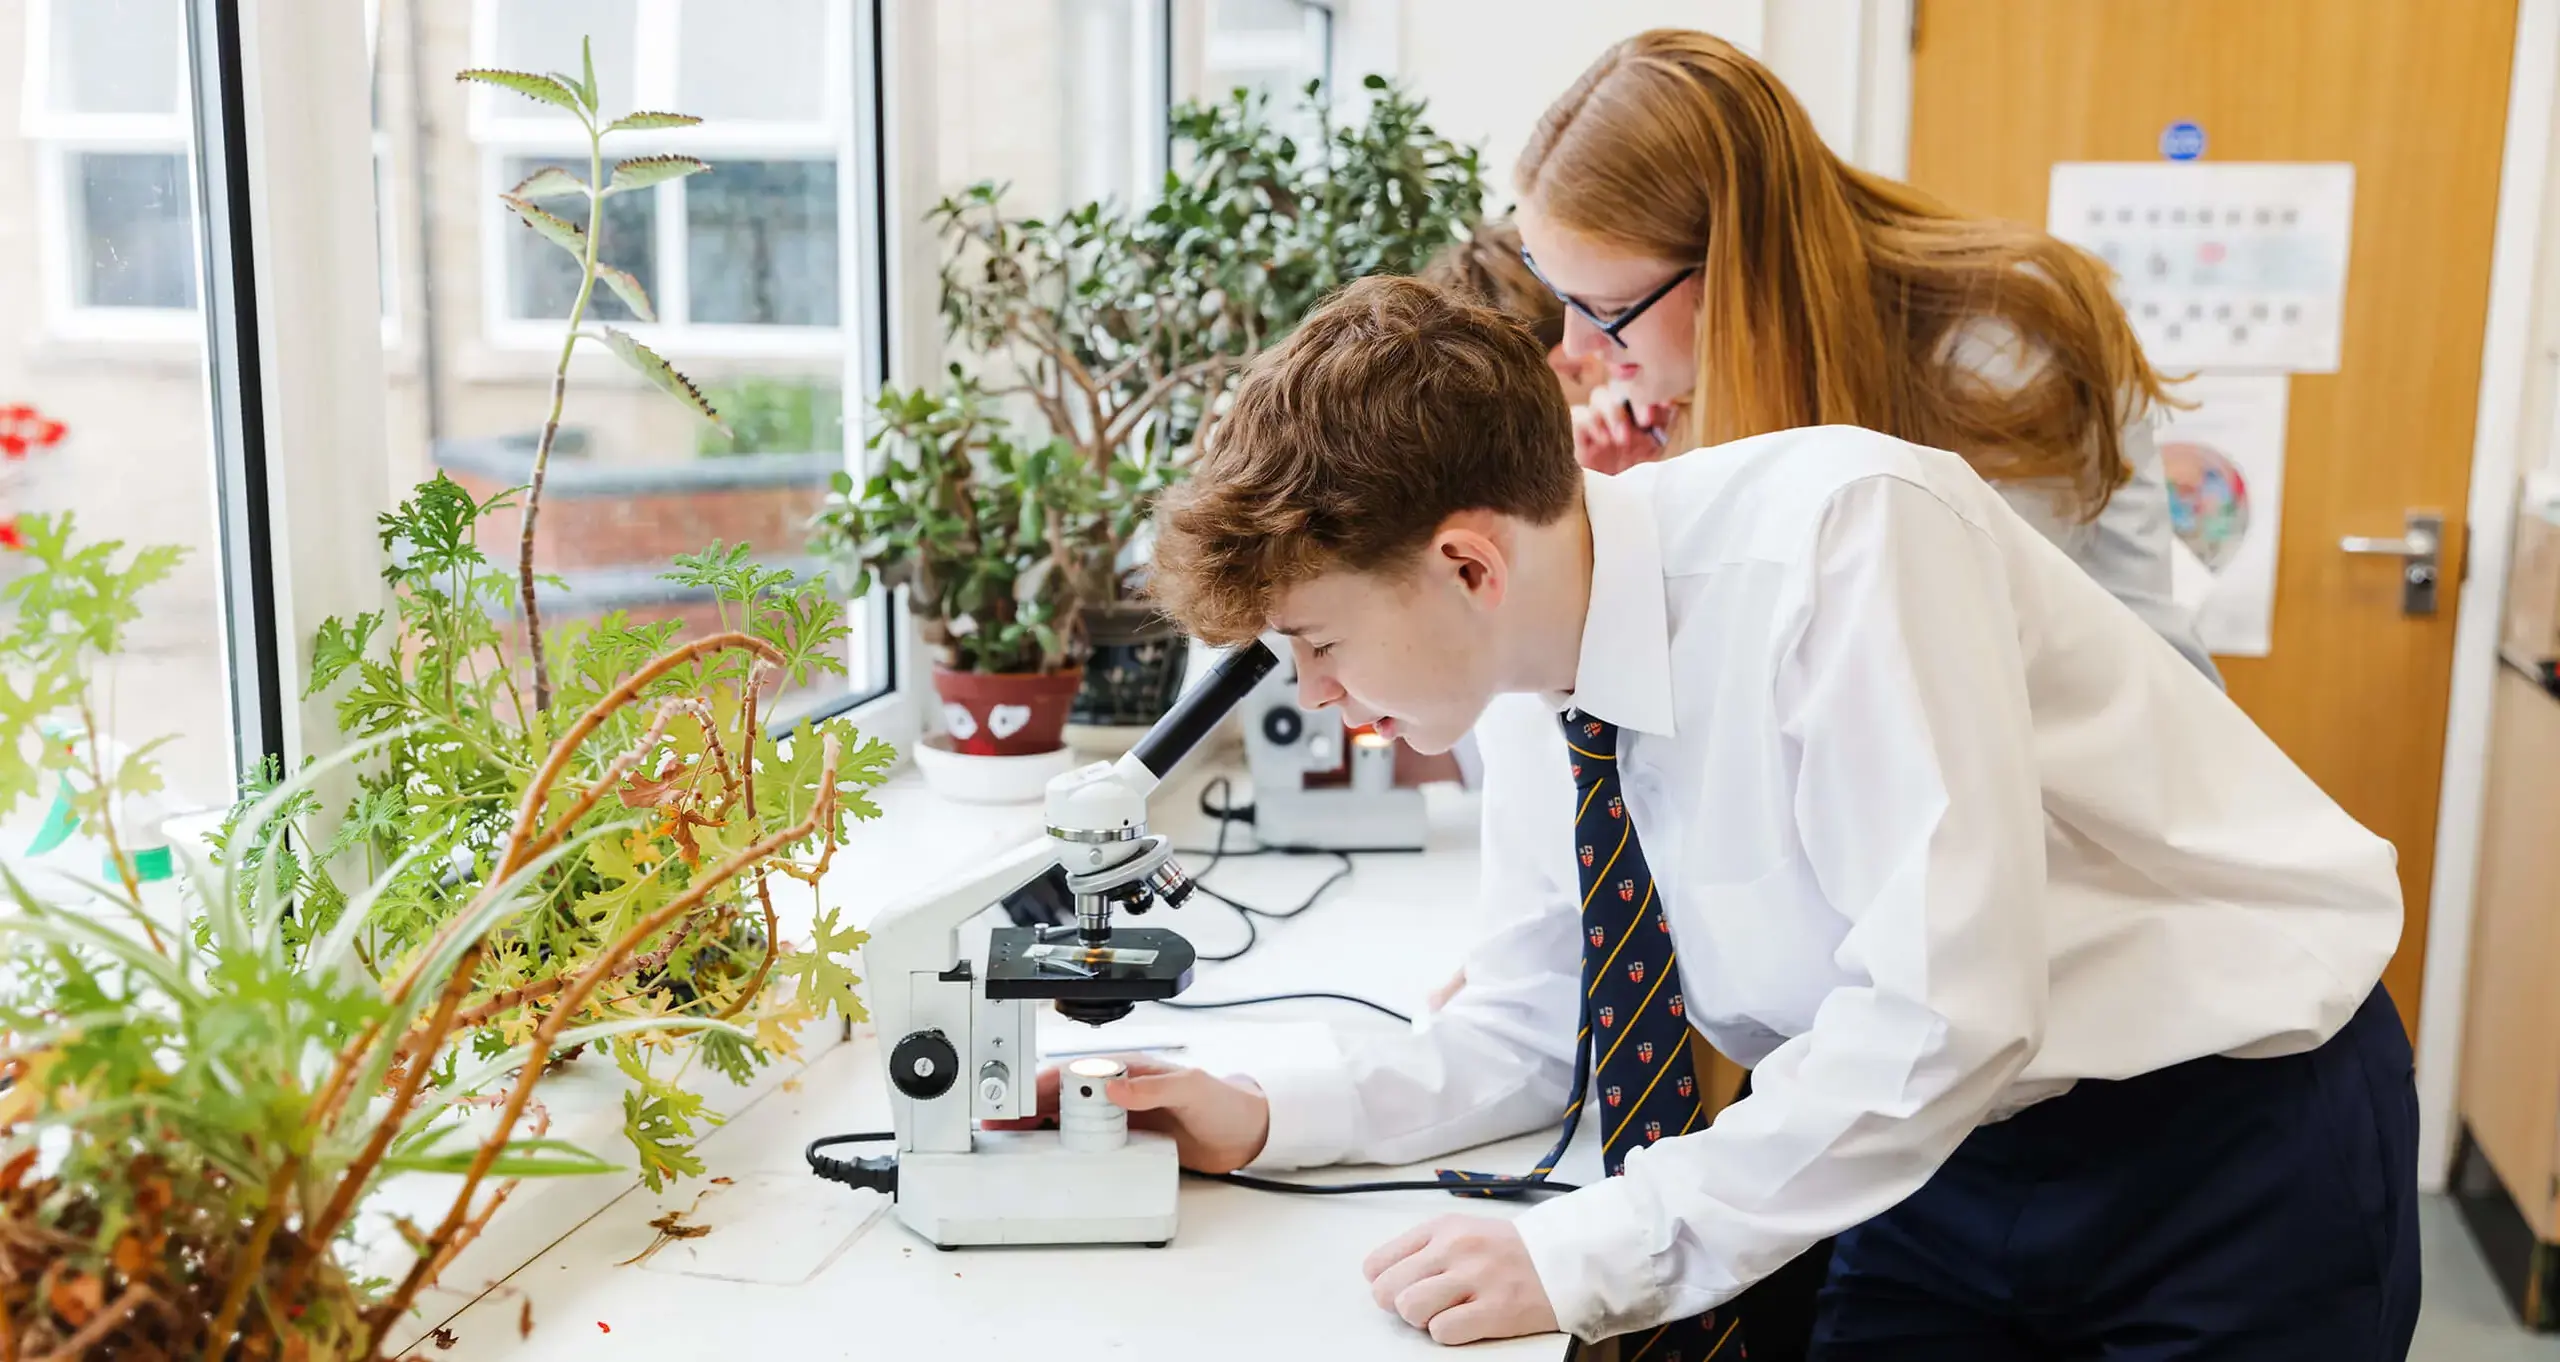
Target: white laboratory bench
[(793, 1267)]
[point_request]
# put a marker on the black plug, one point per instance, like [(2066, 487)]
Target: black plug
[(879, 1172)]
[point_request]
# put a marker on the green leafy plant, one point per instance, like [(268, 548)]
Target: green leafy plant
[(71, 610), (584, 243), (1122, 332), (192, 1119), (979, 528), (679, 740), (440, 797)]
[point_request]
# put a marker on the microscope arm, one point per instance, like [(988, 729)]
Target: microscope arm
[(910, 965), (922, 933)]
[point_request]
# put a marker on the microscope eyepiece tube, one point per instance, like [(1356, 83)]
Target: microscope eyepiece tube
[(1201, 707)]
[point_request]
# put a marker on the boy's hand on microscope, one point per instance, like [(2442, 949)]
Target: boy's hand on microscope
[(1218, 1124)]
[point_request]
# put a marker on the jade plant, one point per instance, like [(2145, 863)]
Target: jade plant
[(193, 1118), (1107, 337), (980, 528)]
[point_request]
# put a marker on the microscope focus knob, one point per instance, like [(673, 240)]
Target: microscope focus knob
[(923, 1066), (1282, 726), (995, 1081)]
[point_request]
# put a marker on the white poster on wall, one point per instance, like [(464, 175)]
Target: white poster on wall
[(2224, 458), (2220, 265)]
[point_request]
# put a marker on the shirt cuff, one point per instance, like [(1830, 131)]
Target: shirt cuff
[(1311, 1106), (1597, 1259)]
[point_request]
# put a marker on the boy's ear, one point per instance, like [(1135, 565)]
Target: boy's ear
[(1472, 550)]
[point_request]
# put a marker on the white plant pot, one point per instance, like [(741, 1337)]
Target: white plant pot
[(970, 779)]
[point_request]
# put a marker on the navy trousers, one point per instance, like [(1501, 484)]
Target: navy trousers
[(2251, 1210)]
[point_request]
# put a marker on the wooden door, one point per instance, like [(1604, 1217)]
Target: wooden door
[(2414, 93)]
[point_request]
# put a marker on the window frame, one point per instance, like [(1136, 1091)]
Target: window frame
[(503, 126), (60, 138)]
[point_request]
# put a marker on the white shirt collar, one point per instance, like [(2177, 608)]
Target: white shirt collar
[(1624, 673)]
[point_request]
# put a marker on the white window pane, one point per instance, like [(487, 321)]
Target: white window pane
[(116, 56), (1064, 130), (1270, 47), (760, 245), (135, 244), (1103, 98), (132, 459), (542, 279), (759, 60), (543, 35), (1268, 16)]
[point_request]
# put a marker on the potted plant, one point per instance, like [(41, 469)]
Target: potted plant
[(194, 1113), (1122, 330), (467, 701), (980, 526)]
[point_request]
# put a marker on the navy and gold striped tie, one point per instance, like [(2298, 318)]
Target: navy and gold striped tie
[(1635, 1032)]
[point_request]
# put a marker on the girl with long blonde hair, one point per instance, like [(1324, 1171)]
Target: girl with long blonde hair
[(1738, 278)]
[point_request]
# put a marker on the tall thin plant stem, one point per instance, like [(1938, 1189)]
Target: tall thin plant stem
[(551, 424)]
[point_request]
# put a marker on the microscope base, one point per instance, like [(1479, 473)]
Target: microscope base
[(1023, 1187)]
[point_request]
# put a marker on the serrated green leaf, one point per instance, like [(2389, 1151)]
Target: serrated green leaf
[(560, 232), (660, 1128), (587, 57), (550, 182), (659, 372), (547, 89), (646, 121), (628, 289), (640, 172), (338, 646)]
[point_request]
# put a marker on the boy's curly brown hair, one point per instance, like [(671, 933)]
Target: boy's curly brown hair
[(1392, 407)]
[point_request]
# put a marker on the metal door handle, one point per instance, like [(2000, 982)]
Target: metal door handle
[(2406, 546), (2418, 548)]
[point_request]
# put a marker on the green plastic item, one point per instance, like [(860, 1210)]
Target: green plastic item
[(150, 865), (59, 822)]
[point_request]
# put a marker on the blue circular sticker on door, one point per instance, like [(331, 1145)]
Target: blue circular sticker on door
[(2182, 140)]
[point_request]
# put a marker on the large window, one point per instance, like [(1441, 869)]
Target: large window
[(105, 116), (751, 272), (745, 260), (102, 331)]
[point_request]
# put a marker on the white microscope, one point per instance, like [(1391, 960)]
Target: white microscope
[(961, 1041)]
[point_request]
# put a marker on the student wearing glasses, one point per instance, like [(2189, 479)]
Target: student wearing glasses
[(1737, 278)]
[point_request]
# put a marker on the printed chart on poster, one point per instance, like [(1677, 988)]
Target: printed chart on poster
[(2220, 266), (2224, 459)]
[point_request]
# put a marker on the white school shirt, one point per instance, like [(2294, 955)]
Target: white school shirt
[(1940, 827)]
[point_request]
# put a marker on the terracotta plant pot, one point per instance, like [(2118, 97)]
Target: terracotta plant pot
[(1006, 714)]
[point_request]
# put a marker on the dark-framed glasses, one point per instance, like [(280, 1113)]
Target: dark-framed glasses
[(1616, 322)]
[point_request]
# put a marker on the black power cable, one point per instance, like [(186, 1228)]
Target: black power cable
[(879, 1172), (1313, 995)]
